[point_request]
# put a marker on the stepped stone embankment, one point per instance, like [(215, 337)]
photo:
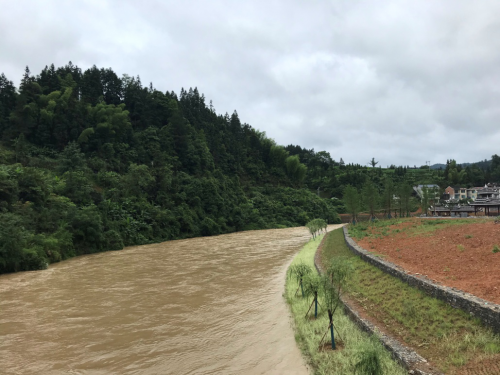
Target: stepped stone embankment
[(487, 312)]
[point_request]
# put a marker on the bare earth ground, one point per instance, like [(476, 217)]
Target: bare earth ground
[(458, 256)]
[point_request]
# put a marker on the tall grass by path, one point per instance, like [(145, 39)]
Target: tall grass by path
[(448, 337), (356, 350)]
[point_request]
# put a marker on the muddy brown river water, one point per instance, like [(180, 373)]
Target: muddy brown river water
[(209, 305)]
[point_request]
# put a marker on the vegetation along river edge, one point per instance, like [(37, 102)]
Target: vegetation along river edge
[(354, 348)]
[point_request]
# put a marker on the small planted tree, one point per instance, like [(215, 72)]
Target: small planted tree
[(299, 271), (333, 283), (324, 225), (312, 287), (311, 225), (315, 226)]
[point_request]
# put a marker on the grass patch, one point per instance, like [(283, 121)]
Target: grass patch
[(496, 249), (373, 229), (356, 351), (446, 336), (408, 226)]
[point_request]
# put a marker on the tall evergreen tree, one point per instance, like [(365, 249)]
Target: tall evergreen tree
[(387, 196), (111, 86), (352, 202), (371, 198), (49, 79), (7, 101), (92, 89)]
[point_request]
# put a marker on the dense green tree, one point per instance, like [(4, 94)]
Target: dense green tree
[(352, 202), (112, 87), (387, 198), (371, 198), (425, 201), (373, 163), (404, 192), (495, 168), (295, 169), (14, 252), (24, 116), (7, 101), (92, 88), (49, 80)]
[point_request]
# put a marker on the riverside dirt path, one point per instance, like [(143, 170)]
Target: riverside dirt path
[(209, 305)]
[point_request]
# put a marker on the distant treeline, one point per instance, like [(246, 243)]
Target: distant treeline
[(483, 164), (327, 175)]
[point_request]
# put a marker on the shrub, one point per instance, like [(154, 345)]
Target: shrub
[(33, 259), (368, 361), (209, 227), (410, 309), (492, 348), (299, 271), (113, 240)]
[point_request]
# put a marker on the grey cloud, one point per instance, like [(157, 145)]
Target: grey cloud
[(401, 81)]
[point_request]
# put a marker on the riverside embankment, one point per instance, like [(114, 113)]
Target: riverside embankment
[(203, 305)]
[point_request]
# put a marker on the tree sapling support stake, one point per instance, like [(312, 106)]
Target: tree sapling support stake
[(330, 315), (323, 337), (309, 309), (301, 288), (316, 306)]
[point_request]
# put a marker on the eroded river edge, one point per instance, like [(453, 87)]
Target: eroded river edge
[(198, 306)]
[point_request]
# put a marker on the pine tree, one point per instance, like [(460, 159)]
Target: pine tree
[(7, 101), (352, 202)]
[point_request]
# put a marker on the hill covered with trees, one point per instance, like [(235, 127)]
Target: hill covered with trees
[(91, 162)]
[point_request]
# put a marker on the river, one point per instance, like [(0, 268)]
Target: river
[(210, 305)]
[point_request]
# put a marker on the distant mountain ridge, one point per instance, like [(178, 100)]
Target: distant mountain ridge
[(483, 164)]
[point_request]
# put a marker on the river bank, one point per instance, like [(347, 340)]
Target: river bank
[(352, 342)]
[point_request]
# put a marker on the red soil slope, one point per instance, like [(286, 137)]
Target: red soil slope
[(458, 256)]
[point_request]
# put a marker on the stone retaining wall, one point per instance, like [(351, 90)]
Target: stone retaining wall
[(409, 359), (488, 312)]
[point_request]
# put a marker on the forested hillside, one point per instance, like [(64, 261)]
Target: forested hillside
[(92, 162)]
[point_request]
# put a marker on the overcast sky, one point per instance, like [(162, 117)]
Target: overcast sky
[(402, 81)]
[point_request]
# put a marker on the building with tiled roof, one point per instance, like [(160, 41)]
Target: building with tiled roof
[(488, 200)]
